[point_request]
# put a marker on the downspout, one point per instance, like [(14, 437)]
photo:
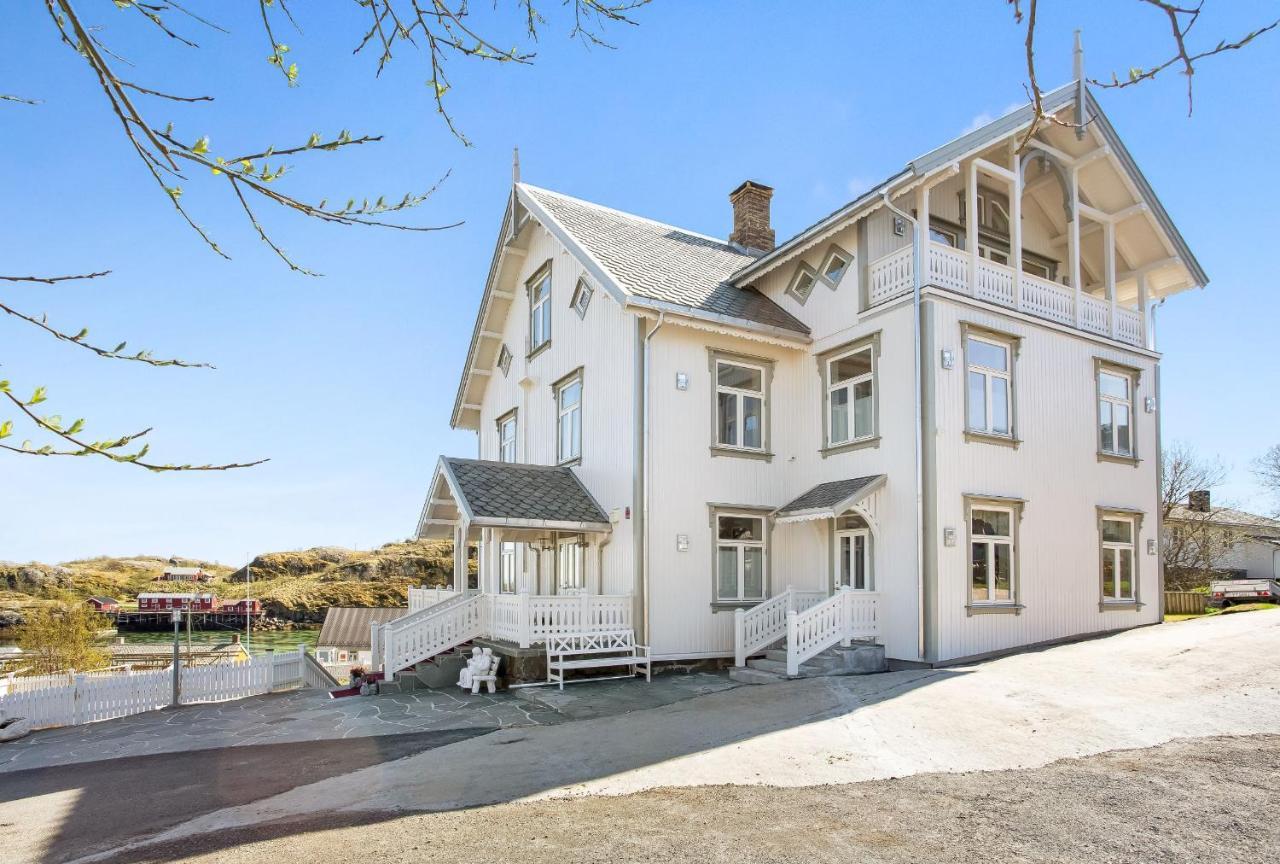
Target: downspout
[(916, 270), (648, 471), (1159, 468)]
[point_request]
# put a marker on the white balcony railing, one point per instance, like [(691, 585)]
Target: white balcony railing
[(423, 598), (891, 276)]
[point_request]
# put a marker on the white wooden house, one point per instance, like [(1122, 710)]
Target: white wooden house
[(929, 419)]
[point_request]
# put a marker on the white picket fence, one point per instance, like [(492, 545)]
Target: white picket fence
[(75, 698)]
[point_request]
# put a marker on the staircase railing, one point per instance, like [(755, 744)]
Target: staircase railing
[(765, 623), (437, 628), (842, 617), (425, 598)]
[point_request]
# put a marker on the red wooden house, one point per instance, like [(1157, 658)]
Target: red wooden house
[(104, 604), (151, 602), (240, 607)]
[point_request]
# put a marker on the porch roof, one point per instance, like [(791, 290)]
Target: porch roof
[(829, 499), (485, 494)]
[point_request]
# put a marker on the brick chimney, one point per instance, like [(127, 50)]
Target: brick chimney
[(751, 226), (1198, 501)]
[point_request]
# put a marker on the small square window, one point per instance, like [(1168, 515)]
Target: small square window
[(581, 298), (802, 284), (835, 265), (504, 360)]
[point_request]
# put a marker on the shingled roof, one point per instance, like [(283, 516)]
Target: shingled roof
[(830, 499), (663, 263), (348, 626), (507, 494)]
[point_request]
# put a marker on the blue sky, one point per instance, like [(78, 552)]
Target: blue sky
[(346, 382)]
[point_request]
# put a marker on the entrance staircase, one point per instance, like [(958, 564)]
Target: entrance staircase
[(803, 634)]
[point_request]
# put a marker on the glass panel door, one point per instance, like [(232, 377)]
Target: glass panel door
[(853, 566)]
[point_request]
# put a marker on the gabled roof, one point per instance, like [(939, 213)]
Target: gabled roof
[(104, 600), (1240, 519), (670, 267), (941, 157), (828, 500), (510, 495)]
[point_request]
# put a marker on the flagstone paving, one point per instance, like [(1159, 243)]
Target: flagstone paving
[(310, 715)]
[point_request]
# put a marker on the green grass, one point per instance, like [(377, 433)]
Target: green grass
[(1230, 610)]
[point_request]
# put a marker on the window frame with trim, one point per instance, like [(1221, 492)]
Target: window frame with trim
[(1011, 345), (870, 344), (558, 388), (1105, 405), (504, 360), (1112, 551), (806, 274), (741, 549), (581, 299), (1012, 508), (540, 306), (511, 420), (835, 251), (717, 358), (508, 567), (577, 557)]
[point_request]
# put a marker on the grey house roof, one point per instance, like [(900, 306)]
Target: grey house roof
[(830, 499), (1261, 527), (348, 626), (663, 263), (489, 494)]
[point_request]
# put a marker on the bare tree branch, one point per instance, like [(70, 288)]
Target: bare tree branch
[(53, 280), (112, 354)]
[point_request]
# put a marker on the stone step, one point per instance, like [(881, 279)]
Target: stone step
[(857, 659), (747, 675), (775, 667)]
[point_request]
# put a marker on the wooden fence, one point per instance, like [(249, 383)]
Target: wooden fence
[(1185, 603), (75, 698)]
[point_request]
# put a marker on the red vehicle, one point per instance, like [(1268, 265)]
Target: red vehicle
[(150, 602), (240, 607)]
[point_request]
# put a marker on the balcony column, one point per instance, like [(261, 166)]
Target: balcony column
[(1109, 254), (461, 580), (1073, 242), (1145, 309), (1015, 228), (971, 222)]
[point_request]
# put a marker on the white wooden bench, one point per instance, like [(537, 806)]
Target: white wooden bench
[(595, 651)]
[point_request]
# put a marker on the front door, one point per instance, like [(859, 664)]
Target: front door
[(852, 570)]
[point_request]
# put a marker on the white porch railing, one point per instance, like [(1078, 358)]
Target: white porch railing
[(765, 623), (520, 618), (85, 698), (424, 598), (841, 618), (891, 276)]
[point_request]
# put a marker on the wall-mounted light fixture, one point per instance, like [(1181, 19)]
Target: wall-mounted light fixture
[(682, 542), (948, 536), (1151, 546), (682, 381), (1150, 404), (899, 226), (948, 358)]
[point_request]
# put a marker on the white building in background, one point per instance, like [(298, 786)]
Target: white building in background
[(930, 418)]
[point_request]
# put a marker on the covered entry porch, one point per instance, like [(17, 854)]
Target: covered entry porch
[(538, 533)]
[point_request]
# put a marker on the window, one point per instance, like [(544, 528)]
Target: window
[(540, 309), (853, 559), (569, 419), (989, 390), (835, 265), (504, 360), (740, 558), (1115, 413), (570, 575), (581, 298), (739, 405), (1117, 559), (802, 283), (507, 558), (991, 554), (507, 438), (1035, 268), (851, 397), (946, 238)]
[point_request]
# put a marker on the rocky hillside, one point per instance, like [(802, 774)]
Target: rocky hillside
[(297, 586)]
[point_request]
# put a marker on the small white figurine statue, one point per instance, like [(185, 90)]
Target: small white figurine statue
[(465, 678)]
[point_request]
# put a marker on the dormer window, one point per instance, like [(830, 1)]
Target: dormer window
[(835, 265), (802, 283), (581, 298), (539, 310), (504, 360)]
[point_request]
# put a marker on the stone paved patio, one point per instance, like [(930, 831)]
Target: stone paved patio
[(310, 715)]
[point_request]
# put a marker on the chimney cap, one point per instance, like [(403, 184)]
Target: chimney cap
[(751, 184)]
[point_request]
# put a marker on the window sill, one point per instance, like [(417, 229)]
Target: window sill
[(991, 438), (994, 609), (720, 450), (731, 605), (1120, 606), (1117, 458), (859, 444), (536, 351)]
